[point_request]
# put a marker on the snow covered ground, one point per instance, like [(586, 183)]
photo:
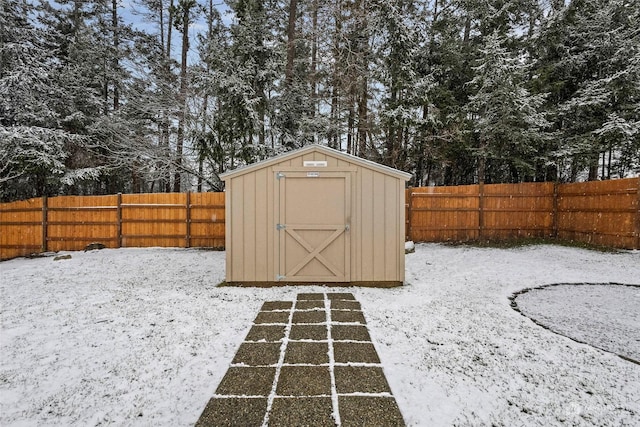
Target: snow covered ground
[(143, 337), (606, 316)]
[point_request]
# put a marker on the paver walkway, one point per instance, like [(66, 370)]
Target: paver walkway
[(308, 362)]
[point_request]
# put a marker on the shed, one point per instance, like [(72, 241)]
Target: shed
[(315, 215)]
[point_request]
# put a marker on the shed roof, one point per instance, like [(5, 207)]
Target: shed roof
[(321, 149)]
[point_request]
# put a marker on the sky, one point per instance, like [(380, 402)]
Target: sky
[(132, 12)]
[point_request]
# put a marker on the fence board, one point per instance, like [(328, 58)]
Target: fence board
[(444, 213), (154, 220), (604, 213), (20, 228), (518, 210), (75, 221), (130, 220), (207, 219)]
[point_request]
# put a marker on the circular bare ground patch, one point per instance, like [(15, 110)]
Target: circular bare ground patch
[(603, 315)]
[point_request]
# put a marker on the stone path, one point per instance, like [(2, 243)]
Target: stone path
[(308, 362)]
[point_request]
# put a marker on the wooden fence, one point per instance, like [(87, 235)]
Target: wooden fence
[(604, 213), (123, 220)]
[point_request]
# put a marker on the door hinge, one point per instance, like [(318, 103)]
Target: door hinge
[(280, 277), (280, 226), (280, 175)]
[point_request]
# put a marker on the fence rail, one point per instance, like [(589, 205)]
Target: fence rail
[(604, 213), (122, 220)]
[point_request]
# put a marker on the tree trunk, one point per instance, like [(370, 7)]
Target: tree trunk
[(167, 89), (467, 29), (334, 124), (314, 64), (291, 41), (593, 167), (350, 122), (116, 49), (363, 125), (183, 98)]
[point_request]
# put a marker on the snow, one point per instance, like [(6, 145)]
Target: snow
[(144, 336), (606, 316), (409, 247)]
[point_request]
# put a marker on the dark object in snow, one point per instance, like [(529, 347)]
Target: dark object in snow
[(40, 255), (60, 257), (95, 245)]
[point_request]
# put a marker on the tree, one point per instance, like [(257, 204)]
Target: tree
[(504, 116), (34, 140)]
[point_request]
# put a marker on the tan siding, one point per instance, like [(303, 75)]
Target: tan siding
[(366, 226), (375, 252), (356, 242), (249, 217), (228, 232), (331, 161), (271, 222), (391, 235), (261, 251), (237, 229), (378, 227)]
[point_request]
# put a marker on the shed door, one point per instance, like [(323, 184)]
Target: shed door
[(314, 210)]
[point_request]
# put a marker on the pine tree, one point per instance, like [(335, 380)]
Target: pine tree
[(505, 117)]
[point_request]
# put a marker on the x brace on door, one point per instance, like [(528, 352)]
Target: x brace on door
[(317, 251)]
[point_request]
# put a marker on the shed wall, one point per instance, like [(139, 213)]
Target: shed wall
[(377, 222)]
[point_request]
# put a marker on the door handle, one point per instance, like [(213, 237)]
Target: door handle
[(347, 227)]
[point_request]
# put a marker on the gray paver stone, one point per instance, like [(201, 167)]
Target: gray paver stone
[(306, 305), (308, 296), (369, 411), (232, 412), (347, 316), (316, 316), (301, 411), (268, 333), (247, 381), (360, 379), (276, 305), (312, 353), (345, 305), (345, 352), (304, 381), (257, 354), (308, 332), (350, 333), (272, 317)]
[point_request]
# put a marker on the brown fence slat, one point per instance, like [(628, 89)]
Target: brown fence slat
[(602, 212)]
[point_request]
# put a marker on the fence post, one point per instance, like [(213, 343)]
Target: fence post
[(188, 214), (555, 210), (638, 218), (480, 209), (119, 220), (409, 196), (45, 224)]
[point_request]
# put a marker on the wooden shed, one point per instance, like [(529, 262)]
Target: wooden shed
[(315, 215)]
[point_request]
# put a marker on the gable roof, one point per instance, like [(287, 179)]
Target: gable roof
[(318, 149)]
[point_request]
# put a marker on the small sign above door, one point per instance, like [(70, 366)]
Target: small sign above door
[(315, 163), (313, 174)]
